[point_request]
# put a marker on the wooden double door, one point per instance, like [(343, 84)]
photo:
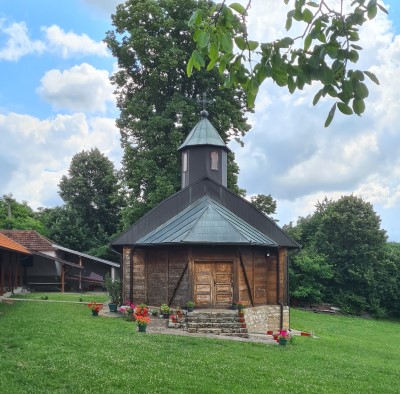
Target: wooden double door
[(213, 284)]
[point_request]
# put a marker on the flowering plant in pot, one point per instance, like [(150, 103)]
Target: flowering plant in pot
[(284, 337), (141, 310), (128, 310), (95, 307), (240, 305), (142, 322)]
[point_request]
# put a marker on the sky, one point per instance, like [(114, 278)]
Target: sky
[(56, 100)]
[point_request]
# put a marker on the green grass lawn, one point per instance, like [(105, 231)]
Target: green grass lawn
[(58, 296), (61, 348)]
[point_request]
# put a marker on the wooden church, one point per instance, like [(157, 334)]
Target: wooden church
[(207, 244)]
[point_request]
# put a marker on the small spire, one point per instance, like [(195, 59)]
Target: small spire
[(204, 101)]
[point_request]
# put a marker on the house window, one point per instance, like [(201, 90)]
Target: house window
[(214, 161), (185, 162)]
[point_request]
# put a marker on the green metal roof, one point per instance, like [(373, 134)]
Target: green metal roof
[(206, 222), (204, 133)]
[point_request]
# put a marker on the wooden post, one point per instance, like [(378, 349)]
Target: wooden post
[(2, 261), (80, 274), (9, 272), (16, 262), (62, 278)]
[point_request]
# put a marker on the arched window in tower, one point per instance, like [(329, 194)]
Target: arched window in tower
[(214, 161), (185, 162)]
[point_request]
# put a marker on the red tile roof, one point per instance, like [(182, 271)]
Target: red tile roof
[(9, 244), (30, 239)]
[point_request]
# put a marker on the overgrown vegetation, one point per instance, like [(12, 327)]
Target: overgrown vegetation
[(62, 348), (345, 259)]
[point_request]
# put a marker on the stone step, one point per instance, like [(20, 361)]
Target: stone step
[(210, 325)]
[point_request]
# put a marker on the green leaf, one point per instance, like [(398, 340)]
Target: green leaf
[(331, 114), (226, 42), (361, 90), (279, 75), (211, 64), (313, 4), (357, 47), (238, 8), (198, 59), (307, 15), (383, 9), (372, 77), (189, 67), (353, 56), (372, 9), (289, 20), (286, 42), (213, 51), (203, 39), (253, 45), (240, 42), (307, 42), (344, 108), (291, 84), (358, 106), (327, 76), (317, 97)]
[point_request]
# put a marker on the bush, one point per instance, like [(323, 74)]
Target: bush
[(113, 289)]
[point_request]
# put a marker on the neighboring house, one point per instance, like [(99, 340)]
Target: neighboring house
[(51, 266), (10, 254), (206, 243)]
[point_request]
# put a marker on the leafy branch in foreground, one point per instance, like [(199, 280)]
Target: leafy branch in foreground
[(322, 53)]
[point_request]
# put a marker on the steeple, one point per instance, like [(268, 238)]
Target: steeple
[(204, 154)]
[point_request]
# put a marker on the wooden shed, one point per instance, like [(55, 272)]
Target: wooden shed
[(205, 243)]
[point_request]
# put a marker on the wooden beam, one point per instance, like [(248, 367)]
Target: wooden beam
[(80, 274), (3, 262), (246, 279), (16, 263), (177, 285), (62, 278)]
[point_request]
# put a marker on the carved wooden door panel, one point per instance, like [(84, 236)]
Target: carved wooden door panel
[(213, 284)]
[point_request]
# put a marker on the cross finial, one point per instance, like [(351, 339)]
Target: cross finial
[(204, 101)]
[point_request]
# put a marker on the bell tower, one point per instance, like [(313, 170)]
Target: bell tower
[(204, 154)]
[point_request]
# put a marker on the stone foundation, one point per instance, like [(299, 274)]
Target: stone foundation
[(267, 317)]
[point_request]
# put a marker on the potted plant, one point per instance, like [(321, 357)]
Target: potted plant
[(142, 322), (154, 312), (165, 310), (129, 311), (95, 307), (240, 305), (234, 306), (113, 288), (174, 318), (190, 306), (284, 337), (141, 310)]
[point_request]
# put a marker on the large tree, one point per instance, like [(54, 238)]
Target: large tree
[(93, 201), (158, 102), (325, 51), (19, 216), (344, 252)]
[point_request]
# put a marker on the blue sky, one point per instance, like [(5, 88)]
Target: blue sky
[(56, 100)]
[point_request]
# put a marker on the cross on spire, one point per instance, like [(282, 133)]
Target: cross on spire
[(204, 101)]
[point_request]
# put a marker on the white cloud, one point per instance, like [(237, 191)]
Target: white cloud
[(39, 152), (70, 44), (18, 43), (81, 88)]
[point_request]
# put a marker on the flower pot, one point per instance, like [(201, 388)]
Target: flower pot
[(235, 307), (142, 328), (305, 334), (242, 320), (270, 332), (95, 313), (283, 341), (174, 320), (190, 308), (243, 325), (113, 307), (165, 315)]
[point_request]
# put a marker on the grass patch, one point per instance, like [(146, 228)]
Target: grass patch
[(58, 296), (61, 348)]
